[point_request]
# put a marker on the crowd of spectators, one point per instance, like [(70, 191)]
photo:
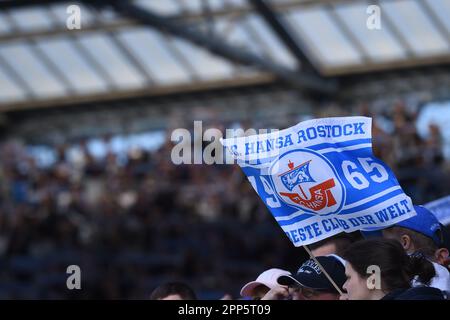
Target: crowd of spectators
[(133, 224)]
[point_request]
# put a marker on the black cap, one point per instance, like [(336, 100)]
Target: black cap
[(310, 275)]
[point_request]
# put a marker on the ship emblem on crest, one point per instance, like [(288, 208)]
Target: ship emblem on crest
[(310, 185)]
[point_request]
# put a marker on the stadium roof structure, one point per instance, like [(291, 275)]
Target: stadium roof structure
[(156, 47)]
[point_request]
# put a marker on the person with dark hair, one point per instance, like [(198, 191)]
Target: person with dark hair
[(334, 245), (391, 272), (173, 291), (443, 253), (423, 234)]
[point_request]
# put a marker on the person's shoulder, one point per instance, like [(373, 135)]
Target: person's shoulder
[(442, 278), (441, 271)]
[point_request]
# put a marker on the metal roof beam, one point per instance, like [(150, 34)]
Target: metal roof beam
[(221, 48), (282, 30), (158, 91)]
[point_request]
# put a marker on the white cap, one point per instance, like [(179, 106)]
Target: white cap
[(268, 278)]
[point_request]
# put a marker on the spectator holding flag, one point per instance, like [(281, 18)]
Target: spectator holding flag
[(394, 272), (310, 281)]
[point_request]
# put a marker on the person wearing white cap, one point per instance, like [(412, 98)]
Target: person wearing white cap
[(265, 281)]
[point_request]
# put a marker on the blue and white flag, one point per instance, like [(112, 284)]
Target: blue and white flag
[(319, 178), (441, 209)]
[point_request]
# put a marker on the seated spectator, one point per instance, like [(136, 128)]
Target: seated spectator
[(173, 291), (265, 281), (310, 283), (397, 270)]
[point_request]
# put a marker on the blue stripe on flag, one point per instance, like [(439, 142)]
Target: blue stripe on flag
[(294, 220), (372, 203), (321, 146)]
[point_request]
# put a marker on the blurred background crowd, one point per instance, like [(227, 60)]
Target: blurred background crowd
[(134, 220)]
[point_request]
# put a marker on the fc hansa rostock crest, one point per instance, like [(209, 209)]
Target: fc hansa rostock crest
[(305, 179)]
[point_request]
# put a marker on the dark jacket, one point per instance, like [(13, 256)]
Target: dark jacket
[(416, 293)]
